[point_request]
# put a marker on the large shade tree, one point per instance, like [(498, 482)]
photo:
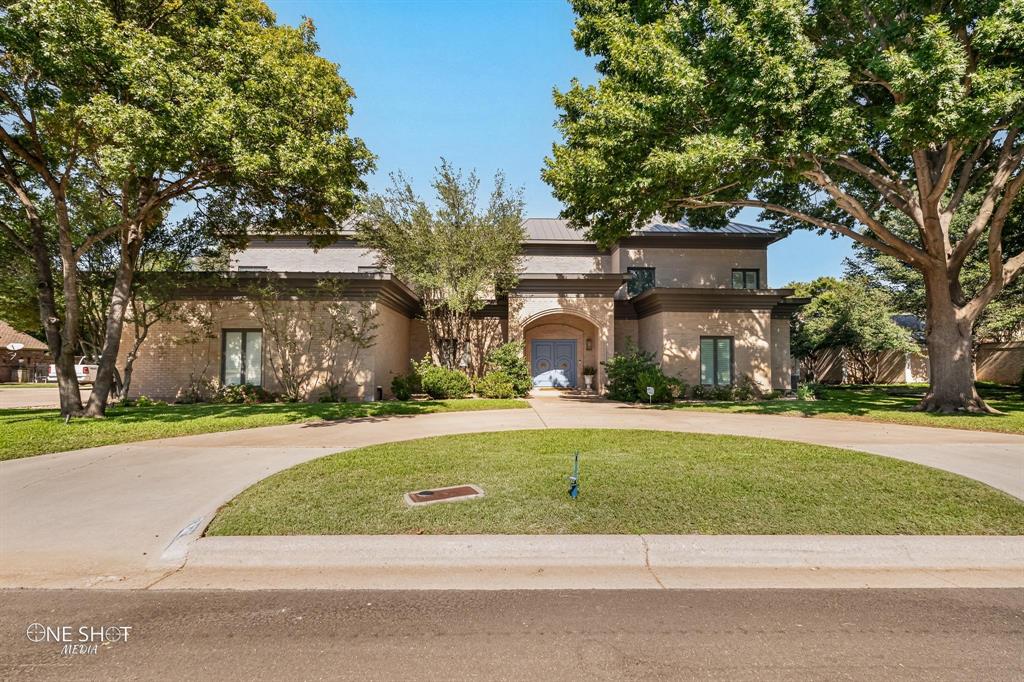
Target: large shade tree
[(1001, 320), (122, 108), (827, 115)]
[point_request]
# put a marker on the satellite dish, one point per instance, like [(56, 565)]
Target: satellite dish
[(15, 346)]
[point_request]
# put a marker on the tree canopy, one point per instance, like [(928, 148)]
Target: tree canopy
[(830, 115), (851, 317), (457, 257), (112, 111)]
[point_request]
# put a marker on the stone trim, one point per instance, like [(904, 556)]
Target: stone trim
[(662, 299), (551, 248), (586, 285), (362, 286), (789, 307), (625, 310), (726, 240)]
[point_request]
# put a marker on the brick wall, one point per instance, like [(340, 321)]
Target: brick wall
[(680, 334), (187, 350), (1000, 362), (692, 267)]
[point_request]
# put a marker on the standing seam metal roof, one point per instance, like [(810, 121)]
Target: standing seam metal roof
[(556, 229)]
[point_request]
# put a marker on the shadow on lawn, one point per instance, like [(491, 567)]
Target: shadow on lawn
[(291, 412), (863, 401)]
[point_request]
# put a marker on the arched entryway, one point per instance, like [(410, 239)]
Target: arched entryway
[(559, 345)]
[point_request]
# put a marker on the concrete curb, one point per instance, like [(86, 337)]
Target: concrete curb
[(599, 562)]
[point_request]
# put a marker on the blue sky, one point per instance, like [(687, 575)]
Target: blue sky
[(472, 81)]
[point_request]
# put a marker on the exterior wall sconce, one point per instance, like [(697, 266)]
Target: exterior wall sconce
[(590, 344)]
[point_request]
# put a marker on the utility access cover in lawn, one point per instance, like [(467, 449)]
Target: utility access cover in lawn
[(455, 493)]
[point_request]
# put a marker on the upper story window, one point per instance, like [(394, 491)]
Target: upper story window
[(746, 279), (252, 268), (642, 279)]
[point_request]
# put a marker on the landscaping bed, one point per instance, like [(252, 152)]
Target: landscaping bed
[(28, 431), (632, 481)]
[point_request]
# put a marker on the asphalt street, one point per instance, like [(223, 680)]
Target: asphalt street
[(932, 634)]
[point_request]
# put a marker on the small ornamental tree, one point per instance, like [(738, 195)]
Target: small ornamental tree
[(456, 258), (120, 109), (851, 317), (830, 115), (313, 338)]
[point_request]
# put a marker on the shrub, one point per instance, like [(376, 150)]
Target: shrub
[(441, 383), (703, 392), (496, 384), (807, 391), (666, 389), (405, 385), (746, 389), (630, 373), (242, 394), (145, 401), (198, 389), (589, 371), (772, 395), (509, 358)]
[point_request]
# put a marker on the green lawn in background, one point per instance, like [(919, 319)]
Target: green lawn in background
[(632, 481), (28, 431), (890, 403)]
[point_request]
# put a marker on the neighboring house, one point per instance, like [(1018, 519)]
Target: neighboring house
[(29, 363), (696, 298)]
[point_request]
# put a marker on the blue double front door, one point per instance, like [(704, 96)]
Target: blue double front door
[(553, 362)]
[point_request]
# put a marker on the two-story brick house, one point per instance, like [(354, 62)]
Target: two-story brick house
[(696, 298)]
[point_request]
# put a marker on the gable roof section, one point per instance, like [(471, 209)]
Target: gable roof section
[(9, 334), (550, 230)]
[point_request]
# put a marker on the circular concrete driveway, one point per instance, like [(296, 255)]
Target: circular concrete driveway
[(123, 515)]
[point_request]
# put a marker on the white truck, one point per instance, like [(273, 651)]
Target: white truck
[(85, 368)]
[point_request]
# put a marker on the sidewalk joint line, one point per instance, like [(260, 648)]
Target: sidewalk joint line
[(534, 408), (647, 562), (165, 576)]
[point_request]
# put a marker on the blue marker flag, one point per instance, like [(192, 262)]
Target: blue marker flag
[(574, 480)]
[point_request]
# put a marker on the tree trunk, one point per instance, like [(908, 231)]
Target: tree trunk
[(129, 364), (62, 352), (119, 299), (951, 369)]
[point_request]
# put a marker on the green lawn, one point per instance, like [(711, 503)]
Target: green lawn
[(29, 385), (27, 432), (891, 403), (631, 482)]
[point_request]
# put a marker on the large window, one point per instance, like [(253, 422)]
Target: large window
[(746, 279), (642, 279), (242, 357), (716, 360)]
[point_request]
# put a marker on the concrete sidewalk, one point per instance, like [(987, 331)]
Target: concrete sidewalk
[(509, 562)]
